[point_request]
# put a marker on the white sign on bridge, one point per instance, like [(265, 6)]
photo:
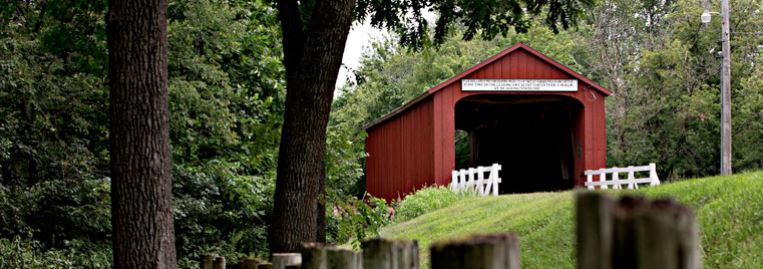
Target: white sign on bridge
[(519, 85)]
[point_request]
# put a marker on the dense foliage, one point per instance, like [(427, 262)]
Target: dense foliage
[(226, 100), (664, 66), (354, 220), (19, 253)]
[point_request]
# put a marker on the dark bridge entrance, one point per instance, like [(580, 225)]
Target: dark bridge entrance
[(532, 137)]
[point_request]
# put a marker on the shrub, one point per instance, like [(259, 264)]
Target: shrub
[(354, 220), (28, 253), (427, 200)]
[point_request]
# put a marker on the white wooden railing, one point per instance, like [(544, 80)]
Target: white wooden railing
[(474, 178), (617, 183)]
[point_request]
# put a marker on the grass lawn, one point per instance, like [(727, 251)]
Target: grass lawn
[(729, 209)]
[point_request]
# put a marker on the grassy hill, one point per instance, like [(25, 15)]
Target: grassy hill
[(730, 211)]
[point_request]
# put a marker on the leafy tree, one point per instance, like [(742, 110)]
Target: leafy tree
[(226, 102), (748, 121), (660, 62), (53, 130)]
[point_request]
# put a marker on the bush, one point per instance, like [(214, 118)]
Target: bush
[(427, 200), (218, 209), (27, 253), (354, 220)]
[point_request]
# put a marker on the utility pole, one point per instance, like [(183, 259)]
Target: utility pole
[(725, 90)]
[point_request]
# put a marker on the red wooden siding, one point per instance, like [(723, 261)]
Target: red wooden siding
[(400, 151), (415, 147)]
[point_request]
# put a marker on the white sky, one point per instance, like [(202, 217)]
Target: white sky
[(359, 39)]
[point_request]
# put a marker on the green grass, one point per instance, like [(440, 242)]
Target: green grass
[(729, 209), (427, 200)]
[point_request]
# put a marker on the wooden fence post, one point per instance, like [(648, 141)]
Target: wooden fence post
[(379, 253), (688, 232), (318, 256), (666, 237), (495, 251), (616, 178), (454, 184), (495, 177), (338, 258), (623, 236), (207, 260), (313, 256), (642, 234), (594, 230), (219, 263), (248, 263), (286, 260), (653, 175)]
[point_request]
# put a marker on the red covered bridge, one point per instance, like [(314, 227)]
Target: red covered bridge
[(543, 122)]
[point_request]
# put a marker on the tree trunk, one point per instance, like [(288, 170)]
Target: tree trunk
[(141, 186), (312, 58)]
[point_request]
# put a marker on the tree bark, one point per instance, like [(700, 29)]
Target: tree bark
[(320, 218), (139, 135), (312, 57)]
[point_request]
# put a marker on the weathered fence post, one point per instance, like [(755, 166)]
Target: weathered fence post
[(635, 233), (495, 251), (318, 256), (337, 258), (313, 256), (286, 260), (689, 242), (666, 237), (219, 263), (379, 253), (248, 263), (207, 260), (623, 249), (594, 230)]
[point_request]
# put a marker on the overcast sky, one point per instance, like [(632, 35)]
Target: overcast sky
[(360, 38)]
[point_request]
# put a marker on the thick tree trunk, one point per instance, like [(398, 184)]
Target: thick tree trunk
[(312, 58), (140, 158)]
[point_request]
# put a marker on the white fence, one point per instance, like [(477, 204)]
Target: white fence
[(474, 178), (617, 183)]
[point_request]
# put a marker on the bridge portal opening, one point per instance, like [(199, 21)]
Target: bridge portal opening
[(531, 136)]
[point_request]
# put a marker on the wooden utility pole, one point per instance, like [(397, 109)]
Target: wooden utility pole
[(725, 91)]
